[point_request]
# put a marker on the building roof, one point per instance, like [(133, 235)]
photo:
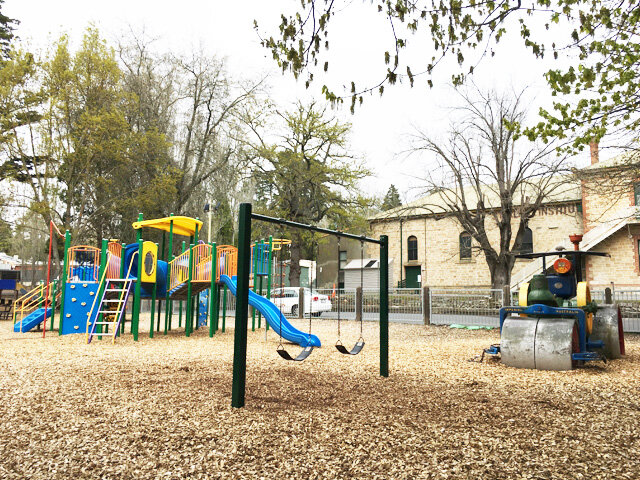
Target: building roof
[(367, 262), (565, 189), (626, 159)]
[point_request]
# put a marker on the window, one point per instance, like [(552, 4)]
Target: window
[(527, 241), (343, 259), (412, 248), (465, 246), (636, 194)]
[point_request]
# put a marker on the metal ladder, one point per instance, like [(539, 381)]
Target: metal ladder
[(115, 294)]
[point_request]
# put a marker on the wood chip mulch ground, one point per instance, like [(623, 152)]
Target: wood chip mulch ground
[(160, 408)]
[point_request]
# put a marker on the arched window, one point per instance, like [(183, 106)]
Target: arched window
[(527, 241), (465, 246), (412, 248)]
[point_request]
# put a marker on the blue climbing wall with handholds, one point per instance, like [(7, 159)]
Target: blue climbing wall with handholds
[(203, 304), (78, 299)]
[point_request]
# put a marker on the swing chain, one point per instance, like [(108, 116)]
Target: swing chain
[(338, 296)]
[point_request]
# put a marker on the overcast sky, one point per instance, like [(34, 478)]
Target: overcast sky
[(359, 38)]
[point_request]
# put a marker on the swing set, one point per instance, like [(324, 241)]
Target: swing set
[(306, 351), (242, 296)]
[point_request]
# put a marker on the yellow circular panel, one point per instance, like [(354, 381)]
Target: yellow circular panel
[(583, 296), (523, 294)]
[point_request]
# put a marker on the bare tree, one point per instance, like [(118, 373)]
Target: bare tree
[(487, 180), (211, 105)]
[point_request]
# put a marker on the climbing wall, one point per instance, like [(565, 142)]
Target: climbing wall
[(78, 299)]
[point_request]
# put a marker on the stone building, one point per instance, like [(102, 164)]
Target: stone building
[(429, 247)]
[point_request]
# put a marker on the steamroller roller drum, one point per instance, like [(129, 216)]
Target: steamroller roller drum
[(605, 328), (556, 339), (517, 342)]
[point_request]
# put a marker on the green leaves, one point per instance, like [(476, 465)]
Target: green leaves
[(604, 34)]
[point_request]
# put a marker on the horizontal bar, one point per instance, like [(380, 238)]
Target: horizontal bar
[(303, 226)]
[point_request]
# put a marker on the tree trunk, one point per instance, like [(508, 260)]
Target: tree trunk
[(500, 270)]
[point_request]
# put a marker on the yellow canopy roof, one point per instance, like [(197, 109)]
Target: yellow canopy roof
[(181, 225)]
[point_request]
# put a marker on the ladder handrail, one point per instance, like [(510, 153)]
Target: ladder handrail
[(91, 328), (122, 294), (100, 284), (30, 302)]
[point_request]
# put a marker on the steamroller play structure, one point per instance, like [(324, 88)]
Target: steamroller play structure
[(556, 325), (97, 285)]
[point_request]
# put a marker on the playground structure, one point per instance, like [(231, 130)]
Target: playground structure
[(97, 285), (556, 325)]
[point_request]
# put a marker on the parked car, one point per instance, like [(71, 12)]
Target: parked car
[(287, 300)]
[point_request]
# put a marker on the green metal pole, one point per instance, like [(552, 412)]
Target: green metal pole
[(168, 314), (184, 248), (163, 257), (213, 294), (255, 284), (135, 317), (153, 304), (216, 308), (260, 293), (65, 264), (188, 326), (270, 263), (384, 306), (103, 267), (195, 301), (123, 272), (224, 307), (242, 308)]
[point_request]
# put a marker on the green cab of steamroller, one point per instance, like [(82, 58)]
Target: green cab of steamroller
[(539, 292)]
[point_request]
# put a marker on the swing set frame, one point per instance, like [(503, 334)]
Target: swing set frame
[(245, 218)]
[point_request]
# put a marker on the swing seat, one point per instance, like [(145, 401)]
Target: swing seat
[(357, 348), (301, 356)]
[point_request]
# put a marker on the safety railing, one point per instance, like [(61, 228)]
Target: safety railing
[(115, 260), (227, 261), (201, 263), (260, 258), (32, 300), (83, 263), (28, 302), (179, 270)]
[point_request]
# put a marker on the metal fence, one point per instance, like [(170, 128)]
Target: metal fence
[(405, 305), (347, 303), (469, 306), (629, 301)]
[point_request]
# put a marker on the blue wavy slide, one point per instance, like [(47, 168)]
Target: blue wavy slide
[(274, 316), (32, 320)]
